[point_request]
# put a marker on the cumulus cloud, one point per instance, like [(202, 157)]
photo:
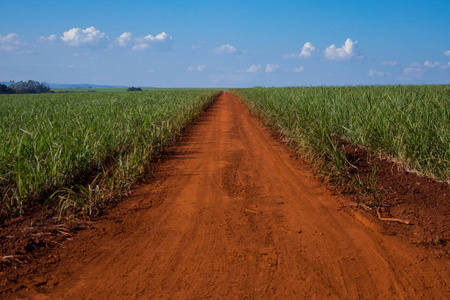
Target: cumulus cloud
[(389, 63), (10, 42), (253, 69), (345, 52), (447, 53), (378, 73), (50, 38), (197, 68), (270, 68), (90, 36), (430, 64), (83, 37), (125, 39), (299, 69), (229, 50), (225, 49), (308, 50), (159, 41)]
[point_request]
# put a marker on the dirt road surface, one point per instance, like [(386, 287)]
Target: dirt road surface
[(232, 214)]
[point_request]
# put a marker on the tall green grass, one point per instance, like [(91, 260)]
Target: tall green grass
[(408, 123), (82, 148)]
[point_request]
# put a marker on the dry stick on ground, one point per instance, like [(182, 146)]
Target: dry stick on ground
[(252, 211), (391, 219)]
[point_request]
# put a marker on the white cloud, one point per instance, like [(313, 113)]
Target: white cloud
[(389, 63), (430, 64), (225, 49), (270, 68), (253, 69), (447, 52), (159, 41), (83, 37), (347, 51), (378, 73), (412, 73), (299, 69), (124, 39), (50, 38), (11, 42), (229, 50), (308, 50), (197, 68)]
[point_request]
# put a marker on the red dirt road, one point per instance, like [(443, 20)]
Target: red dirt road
[(231, 214)]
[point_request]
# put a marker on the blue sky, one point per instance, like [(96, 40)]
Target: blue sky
[(201, 43)]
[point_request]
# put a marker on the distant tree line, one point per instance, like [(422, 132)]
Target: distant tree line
[(6, 90), (134, 89), (25, 87)]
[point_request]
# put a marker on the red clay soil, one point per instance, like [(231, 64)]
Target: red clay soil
[(232, 214), (404, 195)]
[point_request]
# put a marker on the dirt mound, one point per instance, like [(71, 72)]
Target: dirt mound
[(405, 195)]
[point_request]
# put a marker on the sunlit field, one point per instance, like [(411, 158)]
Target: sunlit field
[(80, 148), (408, 123)]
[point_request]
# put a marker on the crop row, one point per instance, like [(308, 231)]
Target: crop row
[(57, 146), (408, 123)]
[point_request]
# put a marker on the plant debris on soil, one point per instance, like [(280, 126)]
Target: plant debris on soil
[(419, 200), (31, 234)]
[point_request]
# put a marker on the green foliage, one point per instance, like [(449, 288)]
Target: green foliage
[(134, 89), (408, 123), (6, 90), (91, 144), (30, 87)]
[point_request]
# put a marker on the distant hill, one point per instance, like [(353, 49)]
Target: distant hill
[(80, 86)]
